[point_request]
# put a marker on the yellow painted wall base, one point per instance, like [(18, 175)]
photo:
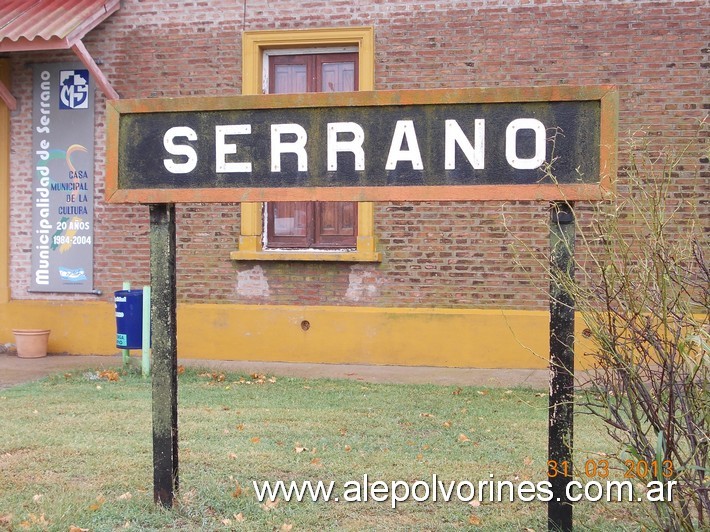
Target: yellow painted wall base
[(82, 328), (344, 335)]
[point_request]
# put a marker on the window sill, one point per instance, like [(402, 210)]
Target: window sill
[(312, 256)]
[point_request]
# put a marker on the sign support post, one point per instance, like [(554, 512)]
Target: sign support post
[(164, 334), (561, 403)]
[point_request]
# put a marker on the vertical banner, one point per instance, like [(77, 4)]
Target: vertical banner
[(63, 178)]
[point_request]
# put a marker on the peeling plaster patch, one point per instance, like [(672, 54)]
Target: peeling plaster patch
[(364, 283), (252, 283)]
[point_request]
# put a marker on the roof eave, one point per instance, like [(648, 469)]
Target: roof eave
[(35, 45), (72, 41), (88, 24), (62, 43)]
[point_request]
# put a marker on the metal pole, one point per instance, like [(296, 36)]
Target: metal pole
[(561, 405), (164, 334), (145, 347)]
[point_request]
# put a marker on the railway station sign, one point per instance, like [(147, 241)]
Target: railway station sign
[(555, 144), (544, 143)]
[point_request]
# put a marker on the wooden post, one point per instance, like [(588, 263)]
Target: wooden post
[(164, 336), (561, 412)]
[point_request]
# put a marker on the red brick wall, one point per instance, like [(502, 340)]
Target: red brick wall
[(445, 254)]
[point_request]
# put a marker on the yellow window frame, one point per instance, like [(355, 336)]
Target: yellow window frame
[(254, 44)]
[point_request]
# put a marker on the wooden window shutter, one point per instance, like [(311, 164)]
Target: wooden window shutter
[(329, 224)]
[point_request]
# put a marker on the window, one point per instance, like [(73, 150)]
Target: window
[(330, 59), (312, 72), (308, 224)]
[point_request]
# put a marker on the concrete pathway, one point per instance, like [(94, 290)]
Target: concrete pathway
[(15, 370)]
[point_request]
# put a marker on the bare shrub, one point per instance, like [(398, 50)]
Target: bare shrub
[(642, 288)]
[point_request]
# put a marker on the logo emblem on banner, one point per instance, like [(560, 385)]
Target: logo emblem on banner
[(72, 275), (74, 89)]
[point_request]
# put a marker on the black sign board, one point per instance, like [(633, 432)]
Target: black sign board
[(470, 144)]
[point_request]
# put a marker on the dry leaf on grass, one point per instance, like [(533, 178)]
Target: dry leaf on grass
[(125, 497), (180, 369), (217, 377), (109, 375), (100, 500), (35, 522), (257, 378), (239, 518), (286, 527), (270, 505), (237, 491), (75, 528), (255, 439), (188, 496), (463, 438), (474, 520)]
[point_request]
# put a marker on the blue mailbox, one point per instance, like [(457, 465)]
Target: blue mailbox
[(129, 319)]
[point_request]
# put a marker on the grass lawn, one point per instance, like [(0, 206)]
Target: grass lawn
[(77, 451)]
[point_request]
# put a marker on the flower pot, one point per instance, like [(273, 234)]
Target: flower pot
[(31, 343)]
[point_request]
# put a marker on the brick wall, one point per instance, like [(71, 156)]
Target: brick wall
[(439, 254)]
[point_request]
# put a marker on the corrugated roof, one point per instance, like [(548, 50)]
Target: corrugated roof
[(49, 24)]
